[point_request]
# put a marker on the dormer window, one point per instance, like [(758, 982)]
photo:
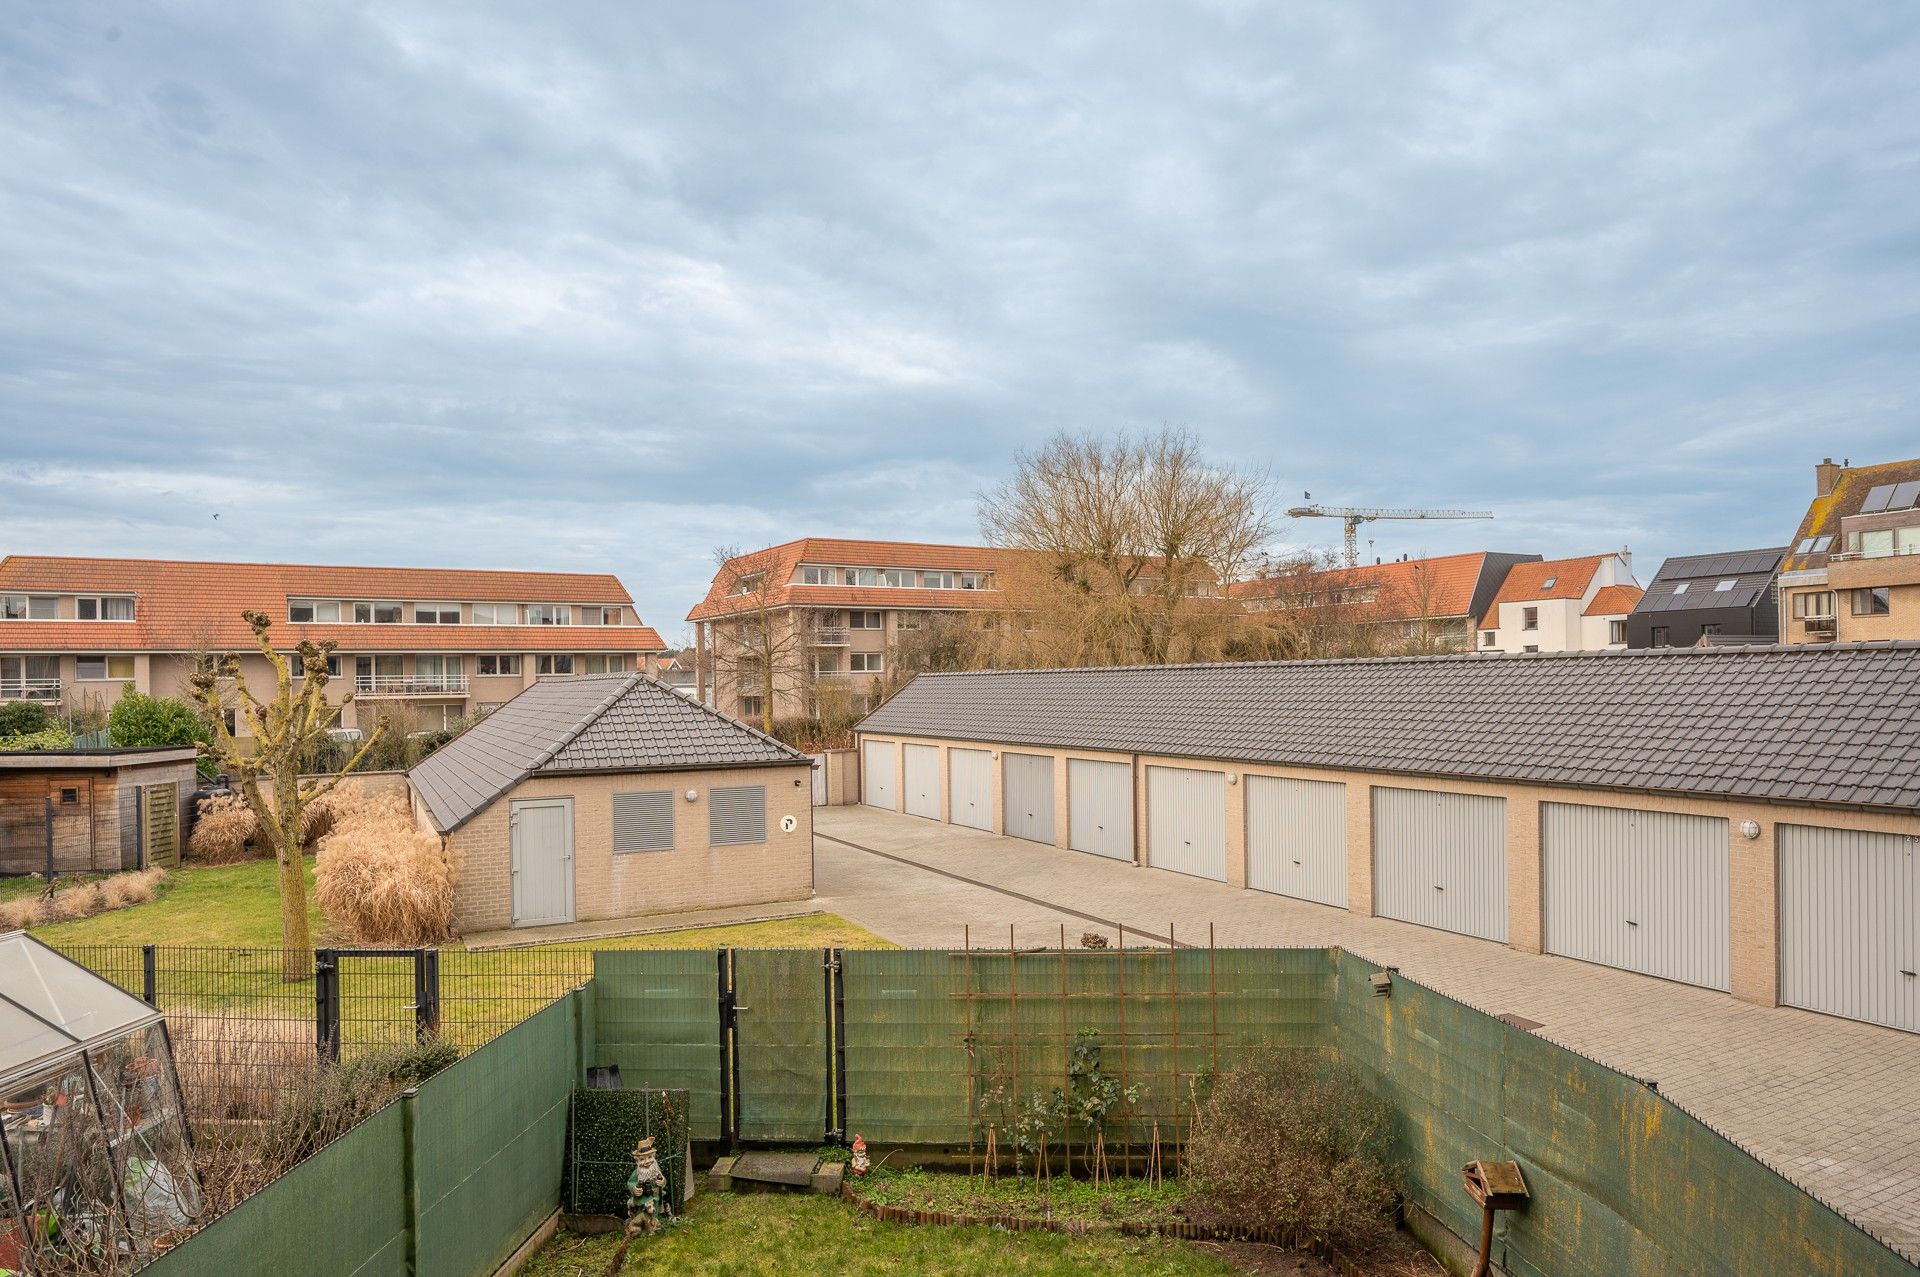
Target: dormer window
[(496, 614), (816, 576), (549, 614), (313, 611), (103, 607), (29, 607), (436, 614), (376, 613)]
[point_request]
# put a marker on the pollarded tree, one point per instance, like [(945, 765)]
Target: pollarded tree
[(285, 729)]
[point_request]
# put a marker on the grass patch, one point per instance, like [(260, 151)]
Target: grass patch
[(225, 905), (772, 1235), (21, 886), (1122, 1201)]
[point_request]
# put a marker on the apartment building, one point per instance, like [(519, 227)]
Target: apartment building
[(1852, 571), (1562, 605), (1434, 604), (436, 643), (825, 614)]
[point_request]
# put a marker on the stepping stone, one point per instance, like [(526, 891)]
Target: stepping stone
[(790, 1170)]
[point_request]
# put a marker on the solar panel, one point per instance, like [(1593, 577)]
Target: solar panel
[(1877, 498), (1904, 496)]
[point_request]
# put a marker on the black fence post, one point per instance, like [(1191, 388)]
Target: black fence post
[(426, 993), (326, 1003), (729, 1047), (839, 1026), (149, 977)]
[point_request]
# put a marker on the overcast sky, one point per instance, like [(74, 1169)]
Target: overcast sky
[(603, 286)]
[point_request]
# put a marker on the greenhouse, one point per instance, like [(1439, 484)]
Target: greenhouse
[(98, 1160)]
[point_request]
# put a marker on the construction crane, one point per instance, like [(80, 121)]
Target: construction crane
[(1354, 516)]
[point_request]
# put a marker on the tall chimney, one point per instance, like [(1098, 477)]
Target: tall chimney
[(1826, 477)]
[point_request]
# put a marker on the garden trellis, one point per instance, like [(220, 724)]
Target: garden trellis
[(96, 1149)]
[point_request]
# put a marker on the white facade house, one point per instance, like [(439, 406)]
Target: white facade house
[(1562, 605)]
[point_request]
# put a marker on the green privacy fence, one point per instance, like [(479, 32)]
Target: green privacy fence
[(1622, 1180), (444, 1182), (922, 1042)]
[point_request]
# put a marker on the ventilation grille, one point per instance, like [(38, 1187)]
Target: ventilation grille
[(738, 814), (643, 820)]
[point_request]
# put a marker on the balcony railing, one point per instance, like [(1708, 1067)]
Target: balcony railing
[(410, 684), (1887, 552), (824, 637), (1818, 626), (29, 689)]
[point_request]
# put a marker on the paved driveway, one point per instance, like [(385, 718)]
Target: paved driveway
[(1831, 1104)]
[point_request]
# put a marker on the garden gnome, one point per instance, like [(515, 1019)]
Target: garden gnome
[(647, 1188), (861, 1164)]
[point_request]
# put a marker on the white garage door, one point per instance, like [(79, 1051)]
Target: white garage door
[(1850, 924), (1100, 808), (970, 785), (923, 781), (1297, 838), (876, 775), (1187, 821), (1441, 860), (1026, 785), (1641, 890)]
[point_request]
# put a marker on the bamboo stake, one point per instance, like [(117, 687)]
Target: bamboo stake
[(1173, 986), (1066, 1054), (1013, 1024), (1126, 1141)]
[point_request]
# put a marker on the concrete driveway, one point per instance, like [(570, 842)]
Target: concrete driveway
[(1829, 1103)]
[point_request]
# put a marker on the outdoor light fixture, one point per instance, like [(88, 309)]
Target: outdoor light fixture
[(693, 795), (1233, 778), (1749, 829)]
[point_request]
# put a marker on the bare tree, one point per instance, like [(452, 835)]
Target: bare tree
[(1311, 606), (760, 644), (285, 730), (1127, 543)]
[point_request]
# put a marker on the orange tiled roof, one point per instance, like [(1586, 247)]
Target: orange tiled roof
[(1527, 583), (1613, 600), (1849, 493), (185, 606), (1406, 589), (780, 562)]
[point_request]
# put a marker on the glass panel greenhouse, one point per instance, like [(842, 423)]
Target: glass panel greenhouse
[(97, 1158)]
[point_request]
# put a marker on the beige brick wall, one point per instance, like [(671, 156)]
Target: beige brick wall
[(1753, 890), (694, 875)]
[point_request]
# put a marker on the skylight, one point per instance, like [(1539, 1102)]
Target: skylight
[(1548, 583), (1680, 588), (1724, 586)]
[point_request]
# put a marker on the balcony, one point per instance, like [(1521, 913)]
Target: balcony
[(1818, 627), (824, 637), (410, 684), (29, 689)]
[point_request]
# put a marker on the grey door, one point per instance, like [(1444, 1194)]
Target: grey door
[(970, 788), (1100, 808), (1441, 860), (541, 833), (923, 781), (1187, 821), (1850, 924), (1026, 783), (1643, 891), (876, 775), (1297, 838)]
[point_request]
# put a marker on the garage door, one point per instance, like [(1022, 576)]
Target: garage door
[(1641, 890), (1100, 808), (876, 775), (1027, 788), (1850, 924), (1297, 838), (923, 781), (970, 780), (1187, 821), (1441, 860)]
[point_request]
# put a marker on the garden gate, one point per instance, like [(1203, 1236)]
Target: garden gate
[(777, 1007)]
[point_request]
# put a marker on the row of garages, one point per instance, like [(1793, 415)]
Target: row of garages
[(1803, 906)]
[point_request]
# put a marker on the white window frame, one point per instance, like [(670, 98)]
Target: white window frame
[(318, 608), (939, 580), (897, 578), (548, 664), (490, 613), (855, 623), (106, 662), (1529, 618), (367, 612), (505, 664), (32, 607), (100, 602), (813, 575), (976, 580), (562, 614), (866, 663), (438, 612), (606, 663)]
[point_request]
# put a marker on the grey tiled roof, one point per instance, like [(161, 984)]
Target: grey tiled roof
[(1751, 571), (598, 723), (1838, 724)]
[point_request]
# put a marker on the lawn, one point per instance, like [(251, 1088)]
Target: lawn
[(773, 1235), (221, 912), (1130, 1200), (17, 886)]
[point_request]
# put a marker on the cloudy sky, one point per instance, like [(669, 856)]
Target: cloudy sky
[(607, 285)]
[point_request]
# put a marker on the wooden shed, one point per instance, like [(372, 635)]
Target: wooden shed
[(105, 809)]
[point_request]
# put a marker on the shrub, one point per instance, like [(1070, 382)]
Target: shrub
[(222, 830), (23, 718), (381, 879), (1286, 1142), (138, 719), (54, 737)]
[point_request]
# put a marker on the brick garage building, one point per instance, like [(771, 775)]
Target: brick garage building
[(112, 808), (605, 797), (1745, 819)]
